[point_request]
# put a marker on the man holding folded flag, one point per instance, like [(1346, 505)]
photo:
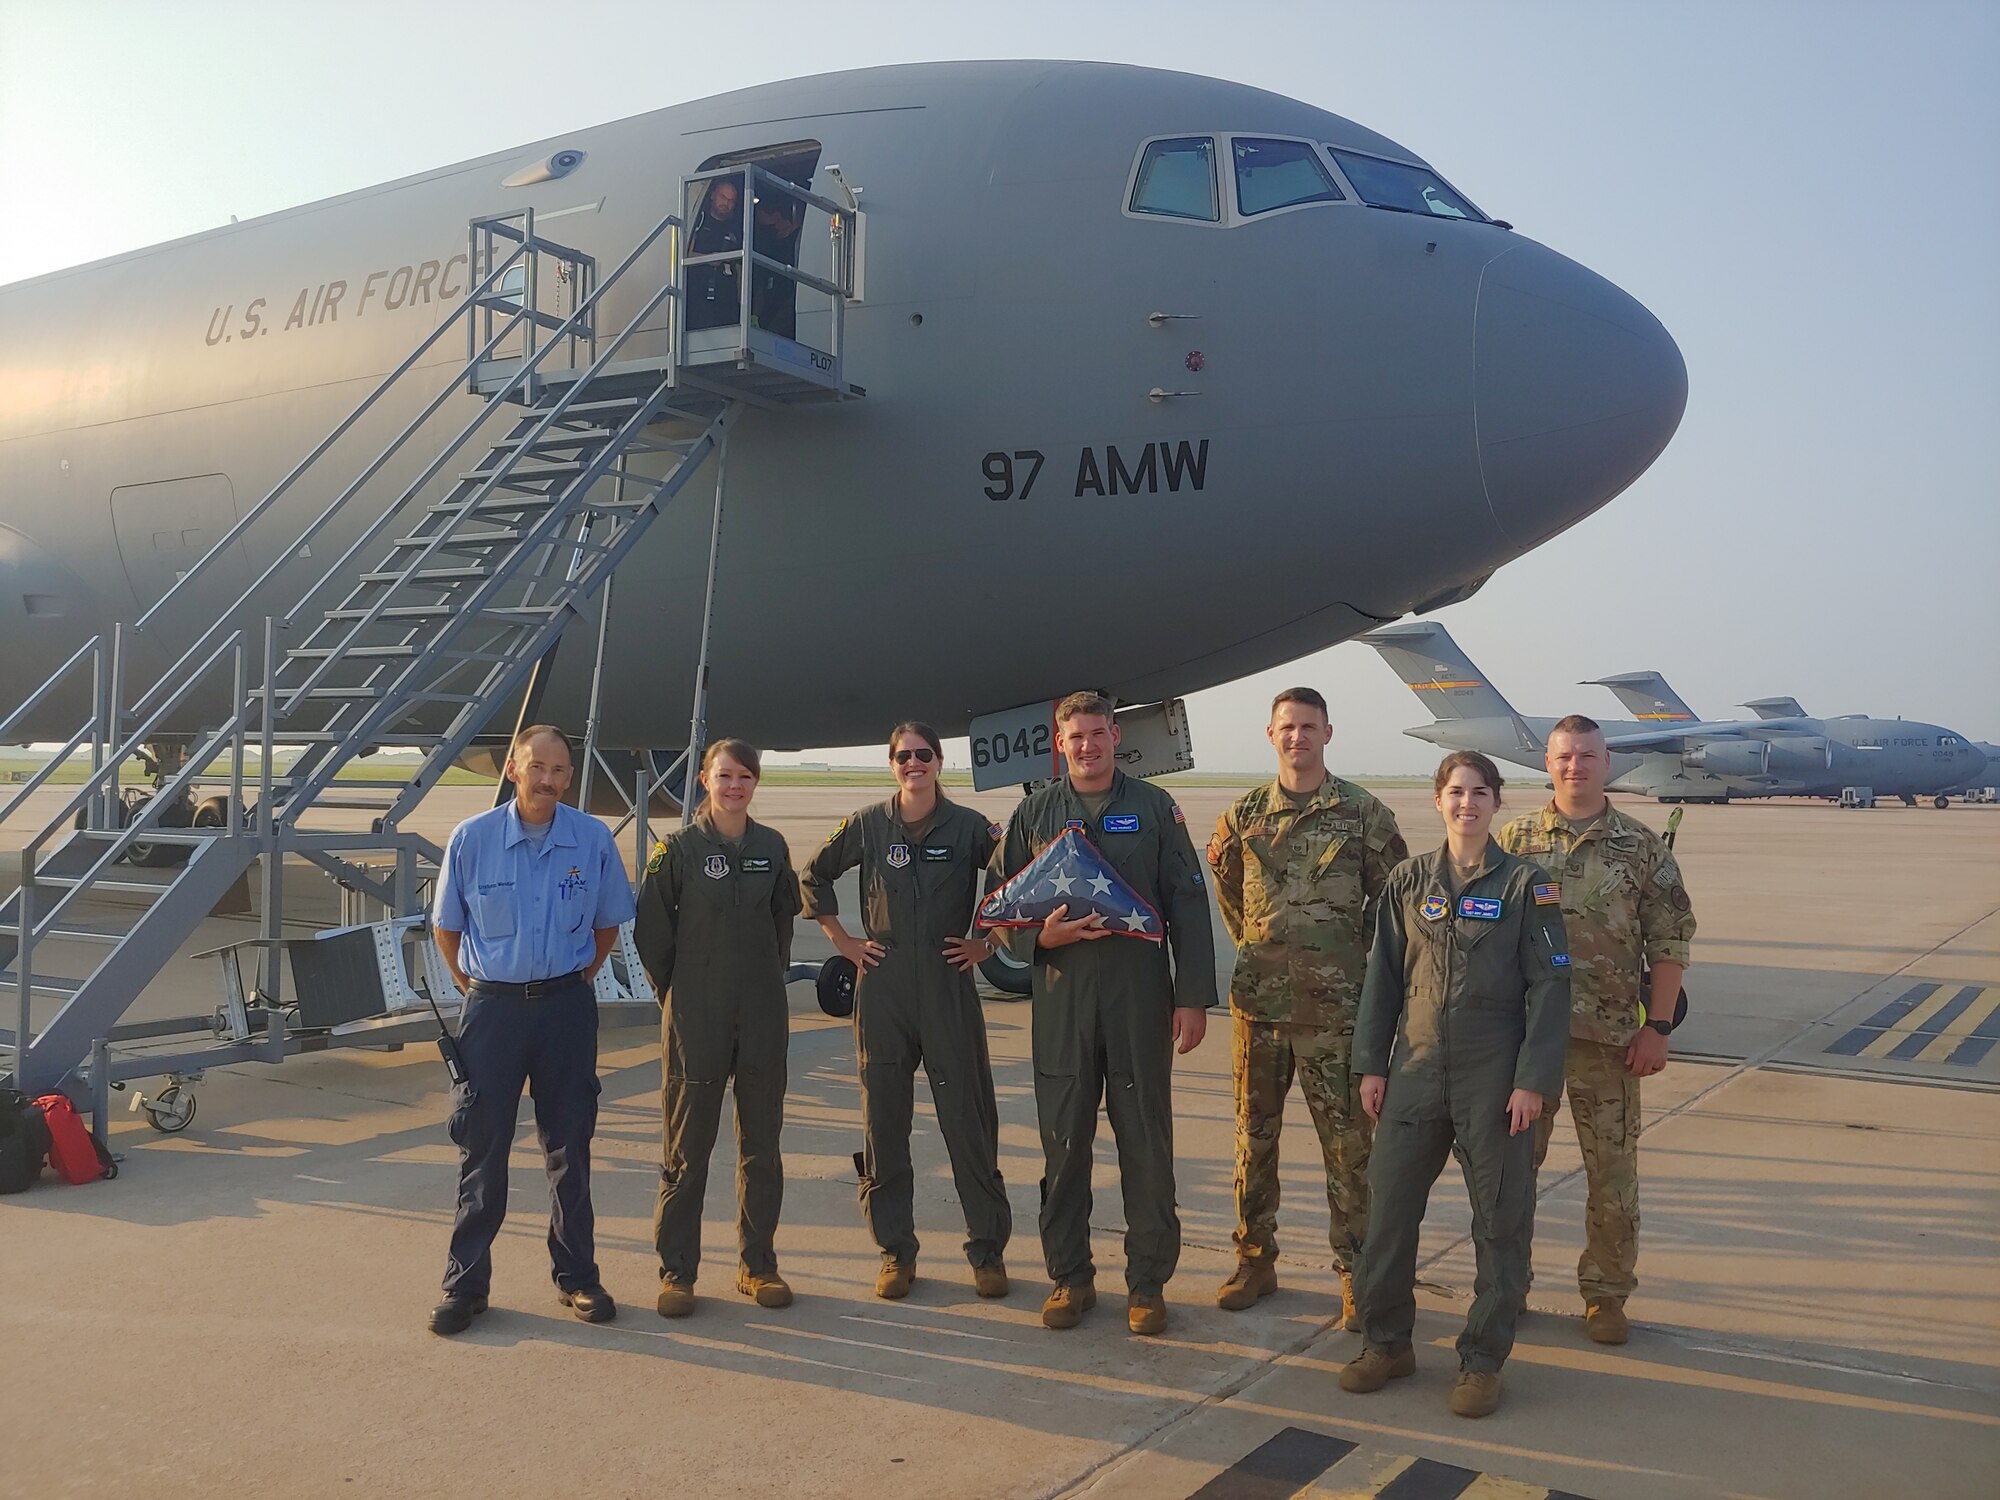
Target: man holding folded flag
[(1109, 1011)]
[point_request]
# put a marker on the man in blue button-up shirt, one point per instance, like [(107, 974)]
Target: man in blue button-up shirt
[(528, 907)]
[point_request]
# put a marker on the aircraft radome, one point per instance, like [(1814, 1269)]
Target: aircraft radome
[(1168, 380)]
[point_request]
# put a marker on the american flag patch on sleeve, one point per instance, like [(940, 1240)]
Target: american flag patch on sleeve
[(1548, 895)]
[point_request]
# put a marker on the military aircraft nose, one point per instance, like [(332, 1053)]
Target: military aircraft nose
[(1576, 388)]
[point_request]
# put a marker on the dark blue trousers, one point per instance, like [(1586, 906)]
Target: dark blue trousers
[(550, 1045)]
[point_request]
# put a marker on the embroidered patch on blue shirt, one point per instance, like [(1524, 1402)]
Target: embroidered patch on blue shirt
[(1121, 823), (1480, 908)]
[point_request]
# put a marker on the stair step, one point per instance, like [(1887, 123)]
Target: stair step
[(467, 539), (334, 800), (44, 984), (80, 935), (522, 473), (142, 887), (337, 736), (359, 653), (469, 573), (396, 612)]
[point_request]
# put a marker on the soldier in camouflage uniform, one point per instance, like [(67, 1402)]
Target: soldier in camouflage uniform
[(1298, 866), (1627, 912)]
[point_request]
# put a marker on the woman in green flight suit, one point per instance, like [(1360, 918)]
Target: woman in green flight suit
[(921, 857), (1468, 984), (715, 934)]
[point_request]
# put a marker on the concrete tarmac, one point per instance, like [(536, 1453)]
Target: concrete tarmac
[(1819, 1312)]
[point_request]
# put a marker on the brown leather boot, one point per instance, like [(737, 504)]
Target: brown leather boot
[(1350, 1311), (1371, 1369), (1250, 1283), (1477, 1393), (895, 1278), (1067, 1305), (1146, 1313), (990, 1281), (676, 1298), (768, 1291), (1604, 1320)]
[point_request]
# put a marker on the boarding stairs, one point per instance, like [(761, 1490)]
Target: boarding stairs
[(451, 582)]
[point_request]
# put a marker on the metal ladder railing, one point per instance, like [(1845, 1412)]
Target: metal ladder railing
[(426, 633)]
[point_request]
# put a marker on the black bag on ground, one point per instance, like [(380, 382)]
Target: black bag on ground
[(24, 1142)]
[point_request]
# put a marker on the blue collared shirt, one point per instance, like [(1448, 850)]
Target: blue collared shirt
[(529, 915)]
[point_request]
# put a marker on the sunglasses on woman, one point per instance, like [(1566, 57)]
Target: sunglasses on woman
[(924, 756)]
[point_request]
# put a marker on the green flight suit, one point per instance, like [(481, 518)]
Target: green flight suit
[(1103, 1025), (1297, 888), (915, 1007), (1625, 906), (714, 931), (1471, 990)]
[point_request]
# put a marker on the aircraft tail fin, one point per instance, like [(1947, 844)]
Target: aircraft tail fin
[(1443, 677), (1647, 697), (1776, 708)]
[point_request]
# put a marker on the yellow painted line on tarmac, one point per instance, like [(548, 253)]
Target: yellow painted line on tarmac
[(1886, 1042), (1961, 1026)]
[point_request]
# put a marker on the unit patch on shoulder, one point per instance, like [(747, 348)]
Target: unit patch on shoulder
[(838, 829), (1217, 847), (1678, 898), (756, 867), (1560, 960), (899, 855), (1121, 822), (659, 856), (1479, 908), (1434, 908), (1548, 895), (995, 831), (1179, 816), (715, 866)]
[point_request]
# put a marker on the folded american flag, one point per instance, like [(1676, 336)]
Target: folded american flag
[(1070, 872)]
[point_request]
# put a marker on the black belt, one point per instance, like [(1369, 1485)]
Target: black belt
[(534, 989)]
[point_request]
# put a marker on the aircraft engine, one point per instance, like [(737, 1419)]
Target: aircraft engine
[(1729, 758), (1801, 755)]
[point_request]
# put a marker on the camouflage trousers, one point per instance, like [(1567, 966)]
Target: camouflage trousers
[(1604, 1102), (1266, 1056)]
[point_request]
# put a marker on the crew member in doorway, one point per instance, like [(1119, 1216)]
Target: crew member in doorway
[(1468, 988), (715, 934), (1629, 916), (714, 292), (1109, 1014), (920, 856), (529, 902), (1299, 866), (774, 298)]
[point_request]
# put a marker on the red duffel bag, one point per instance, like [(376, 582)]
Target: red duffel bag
[(73, 1151)]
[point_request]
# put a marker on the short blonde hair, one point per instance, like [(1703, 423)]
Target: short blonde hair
[(1085, 703)]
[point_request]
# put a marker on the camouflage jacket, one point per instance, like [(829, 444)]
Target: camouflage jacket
[(1298, 890), (1624, 905)]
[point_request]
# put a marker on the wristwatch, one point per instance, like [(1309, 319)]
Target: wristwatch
[(1665, 1028)]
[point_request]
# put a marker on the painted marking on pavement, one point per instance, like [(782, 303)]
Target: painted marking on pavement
[(1929, 1023), (1316, 1466)]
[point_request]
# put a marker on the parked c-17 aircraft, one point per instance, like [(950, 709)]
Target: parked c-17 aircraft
[(1671, 753), (1074, 273)]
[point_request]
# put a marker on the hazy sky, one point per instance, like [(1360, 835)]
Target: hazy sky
[(1807, 195)]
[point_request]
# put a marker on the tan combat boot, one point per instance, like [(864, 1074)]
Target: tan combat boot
[(895, 1278), (1250, 1283), (1350, 1311), (768, 1291), (1604, 1320), (990, 1281), (676, 1298), (1477, 1393), (1067, 1305), (1146, 1313), (1371, 1369)]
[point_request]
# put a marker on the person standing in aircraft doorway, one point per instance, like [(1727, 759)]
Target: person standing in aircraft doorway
[(715, 934), (774, 298), (921, 856), (1109, 1014), (714, 292)]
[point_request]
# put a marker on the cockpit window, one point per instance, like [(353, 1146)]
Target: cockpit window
[(1177, 179), (1394, 184), (1279, 174)]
